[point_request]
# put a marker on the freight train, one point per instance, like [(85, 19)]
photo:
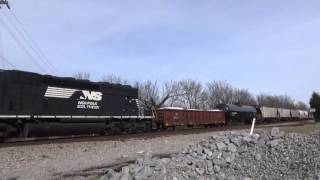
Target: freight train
[(34, 105)]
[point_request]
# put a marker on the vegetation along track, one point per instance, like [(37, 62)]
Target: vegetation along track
[(12, 142)]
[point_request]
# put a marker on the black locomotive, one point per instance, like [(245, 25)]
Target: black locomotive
[(41, 105)]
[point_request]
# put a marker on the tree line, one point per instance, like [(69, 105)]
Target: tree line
[(193, 94), (315, 105)]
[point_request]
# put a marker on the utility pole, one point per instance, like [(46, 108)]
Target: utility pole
[(4, 2)]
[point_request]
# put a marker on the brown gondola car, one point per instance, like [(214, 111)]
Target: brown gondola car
[(174, 117)]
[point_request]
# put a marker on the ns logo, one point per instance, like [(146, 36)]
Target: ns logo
[(91, 96)]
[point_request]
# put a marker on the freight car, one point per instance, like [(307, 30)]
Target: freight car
[(303, 114), (236, 114), (171, 117), (284, 114), (271, 114), (294, 114), (43, 105), (265, 114)]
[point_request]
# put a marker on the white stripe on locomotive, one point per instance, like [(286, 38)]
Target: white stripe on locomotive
[(59, 92)]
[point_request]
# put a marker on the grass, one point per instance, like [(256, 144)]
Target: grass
[(306, 129)]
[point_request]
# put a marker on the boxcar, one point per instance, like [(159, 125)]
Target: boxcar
[(173, 117)]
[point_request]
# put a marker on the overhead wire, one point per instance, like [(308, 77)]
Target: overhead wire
[(29, 44), (22, 46), (7, 61), (41, 54)]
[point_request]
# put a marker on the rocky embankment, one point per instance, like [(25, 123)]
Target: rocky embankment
[(232, 156)]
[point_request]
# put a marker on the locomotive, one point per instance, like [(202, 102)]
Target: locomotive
[(33, 105), (44, 105)]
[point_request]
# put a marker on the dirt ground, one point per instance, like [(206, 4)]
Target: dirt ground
[(87, 160), (308, 128)]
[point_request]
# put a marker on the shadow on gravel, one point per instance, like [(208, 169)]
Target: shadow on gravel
[(97, 171)]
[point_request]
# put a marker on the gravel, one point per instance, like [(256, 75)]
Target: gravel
[(233, 156), (74, 160)]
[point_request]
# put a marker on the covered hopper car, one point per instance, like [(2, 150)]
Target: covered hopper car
[(303, 114), (271, 114)]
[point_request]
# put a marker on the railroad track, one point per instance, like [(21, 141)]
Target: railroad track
[(13, 142)]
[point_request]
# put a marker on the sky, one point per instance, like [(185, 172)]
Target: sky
[(265, 46)]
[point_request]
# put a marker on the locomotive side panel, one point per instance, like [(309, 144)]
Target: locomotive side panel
[(31, 94), (89, 99), (36, 105), (20, 93), (79, 104)]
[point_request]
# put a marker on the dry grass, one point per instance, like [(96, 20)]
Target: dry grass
[(306, 129)]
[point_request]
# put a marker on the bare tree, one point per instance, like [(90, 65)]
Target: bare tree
[(286, 102), (81, 75), (191, 94), (301, 105), (244, 97), (282, 101), (148, 93), (151, 97), (170, 93), (204, 100), (219, 92), (268, 100), (111, 78)]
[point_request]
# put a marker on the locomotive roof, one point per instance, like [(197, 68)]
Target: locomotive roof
[(236, 108), (67, 80)]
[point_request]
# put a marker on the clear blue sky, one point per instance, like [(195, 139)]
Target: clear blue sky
[(266, 46)]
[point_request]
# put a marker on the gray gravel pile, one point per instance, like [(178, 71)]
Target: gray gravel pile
[(269, 155)]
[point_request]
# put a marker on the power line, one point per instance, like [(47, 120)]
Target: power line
[(32, 43), (21, 46), (7, 61), (22, 35), (24, 38)]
